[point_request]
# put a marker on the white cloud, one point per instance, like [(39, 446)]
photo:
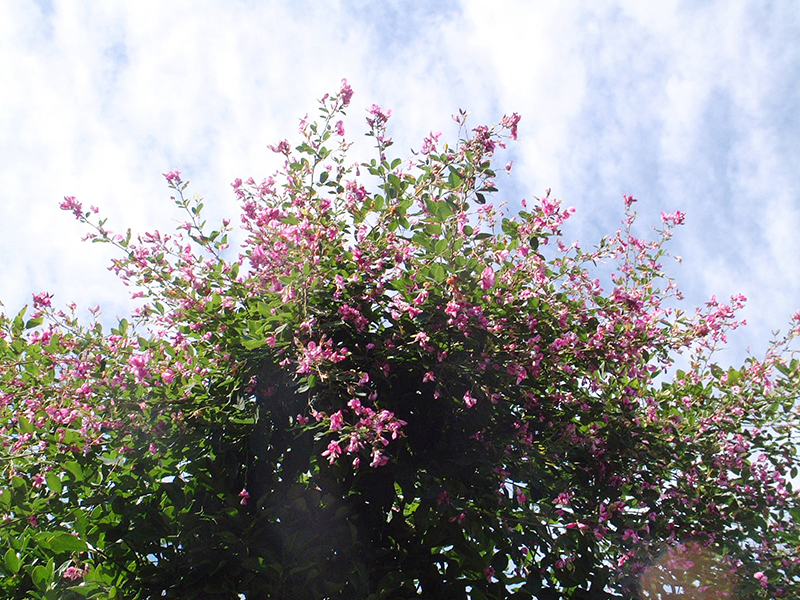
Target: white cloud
[(684, 105)]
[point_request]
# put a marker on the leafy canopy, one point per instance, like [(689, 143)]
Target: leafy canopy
[(396, 390)]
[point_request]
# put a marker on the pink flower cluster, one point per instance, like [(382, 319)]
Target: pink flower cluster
[(74, 573), (314, 354), (73, 205), (368, 431)]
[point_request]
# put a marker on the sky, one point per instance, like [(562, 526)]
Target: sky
[(688, 106)]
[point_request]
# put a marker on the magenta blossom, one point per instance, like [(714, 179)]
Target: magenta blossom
[(333, 452), (173, 177), (470, 400), (75, 573), (41, 300), (346, 93), (487, 278), (70, 203), (676, 218), (337, 421), (429, 143), (510, 123), (283, 147), (379, 116)]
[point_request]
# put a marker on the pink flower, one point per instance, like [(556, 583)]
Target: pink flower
[(245, 496), (484, 137), (676, 218), (38, 480), (378, 459), (487, 278), (70, 203), (563, 499), (339, 128), (355, 444), (511, 123), (173, 177), (333, 452), (630, 534), (41, 300), (346, 93), (429, 143), (489, 572), (337, 421), (75, 573), (469, 400), (283, 147), (421, 338), (459, 519), (379, 116)]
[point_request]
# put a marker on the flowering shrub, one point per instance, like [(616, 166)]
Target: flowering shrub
[(396, 390)]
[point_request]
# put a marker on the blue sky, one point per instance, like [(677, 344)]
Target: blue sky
[(688, 106)]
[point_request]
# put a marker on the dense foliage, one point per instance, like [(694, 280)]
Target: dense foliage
[(397, 390)]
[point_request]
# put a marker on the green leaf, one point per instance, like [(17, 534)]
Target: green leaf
[(253, 344), (395, 182), (61, 541), (33, 323), (783, 368), (41, 577), (510, 227), (12, 560), (74, 468), (18, 325), (453, 180), (438, 272), (54, 483), (734, 376), (25, 426)]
